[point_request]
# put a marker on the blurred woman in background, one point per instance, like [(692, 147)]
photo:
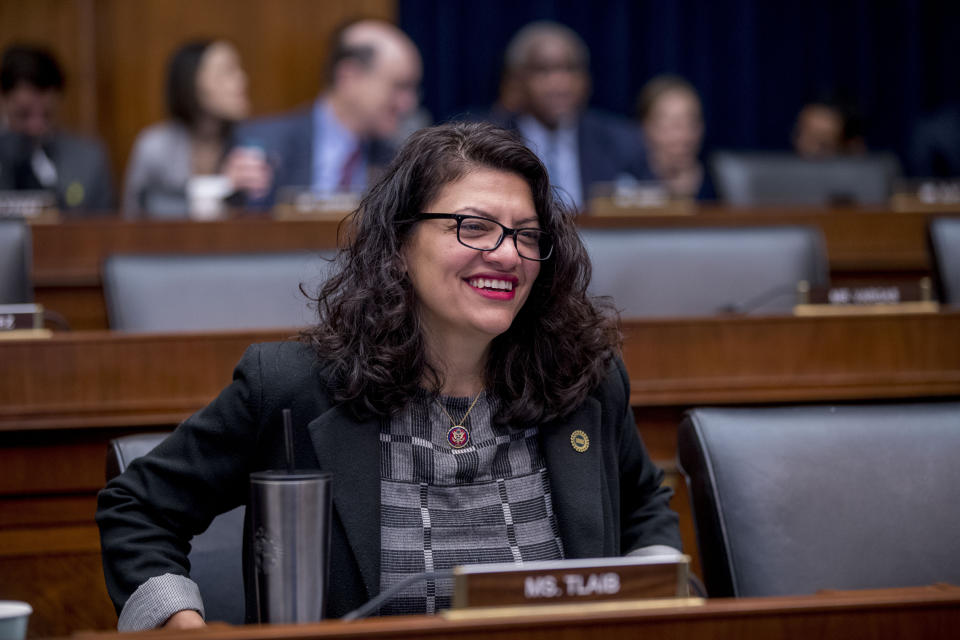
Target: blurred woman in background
[(671, 120), (206, 97)]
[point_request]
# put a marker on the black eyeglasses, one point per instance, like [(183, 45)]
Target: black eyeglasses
[(484, 234)]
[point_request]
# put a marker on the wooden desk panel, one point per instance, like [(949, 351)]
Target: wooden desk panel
[(863, 245), (925, 612), (103, 379), (70, 253)]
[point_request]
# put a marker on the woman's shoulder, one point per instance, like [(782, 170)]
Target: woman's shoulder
[(275, 375), (285, 362), (285, 367), (162, 138), (615, 385)]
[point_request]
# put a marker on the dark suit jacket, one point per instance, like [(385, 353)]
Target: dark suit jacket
[(288, 142), (935, 145), (80, 162), (609, 146), (608, 500)]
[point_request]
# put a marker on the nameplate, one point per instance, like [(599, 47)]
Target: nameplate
[(927, 194), (15, 317), (640, 204), (293, 203), (29, 205), (571, 581), (880, 299), (22, 322)]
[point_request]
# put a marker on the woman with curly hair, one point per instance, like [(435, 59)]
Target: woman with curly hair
[(461, 386)]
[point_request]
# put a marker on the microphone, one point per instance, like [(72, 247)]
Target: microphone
[(752, 304), (382, 598)]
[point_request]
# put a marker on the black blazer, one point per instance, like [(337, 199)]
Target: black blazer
[(608, 500), (80, 162)]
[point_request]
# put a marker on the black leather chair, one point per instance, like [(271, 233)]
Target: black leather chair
[(797, 499), (704, 271), (945, 253), (15, 262), (211, 291), (216, 555)]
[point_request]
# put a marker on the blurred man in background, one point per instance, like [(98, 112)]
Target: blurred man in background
[(35, 154), (343, 139), (580, 147), (934, 150), (827, 128)]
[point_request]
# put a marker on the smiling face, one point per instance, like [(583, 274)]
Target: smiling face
[(464, 294)]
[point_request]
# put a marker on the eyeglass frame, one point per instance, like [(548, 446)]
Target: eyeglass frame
[(506, 231)]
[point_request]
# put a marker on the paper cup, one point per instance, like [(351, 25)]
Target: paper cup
[(13, 619), (205, 196)]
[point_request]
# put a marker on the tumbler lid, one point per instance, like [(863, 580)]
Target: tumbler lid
[(282, 475)]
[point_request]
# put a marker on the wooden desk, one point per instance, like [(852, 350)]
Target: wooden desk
[(862, 244), (61, 399), (902, 614)]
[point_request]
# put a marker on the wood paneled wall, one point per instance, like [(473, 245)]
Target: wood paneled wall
[(63, 27), (114, 52)]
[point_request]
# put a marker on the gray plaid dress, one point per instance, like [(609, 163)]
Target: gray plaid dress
[(440, 506)]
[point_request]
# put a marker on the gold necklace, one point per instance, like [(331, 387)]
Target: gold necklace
[(458, 435)]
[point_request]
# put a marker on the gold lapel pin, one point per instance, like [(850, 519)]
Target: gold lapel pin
[(579, 441)]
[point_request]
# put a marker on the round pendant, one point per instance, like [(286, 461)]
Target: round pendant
[(458, 436)]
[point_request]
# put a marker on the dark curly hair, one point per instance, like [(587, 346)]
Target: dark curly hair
[(369, 333)]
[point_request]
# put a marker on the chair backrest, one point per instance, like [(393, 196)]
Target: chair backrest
[(797, 499), (211, 291), (782, 178), (216, 555), (15, 262), (945, 255), (703, 271)]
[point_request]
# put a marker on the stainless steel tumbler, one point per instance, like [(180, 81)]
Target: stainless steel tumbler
[(290, 518)]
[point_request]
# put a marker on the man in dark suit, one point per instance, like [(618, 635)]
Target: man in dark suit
[(580, 147), (338, 143), (35, 154), (935, 145)]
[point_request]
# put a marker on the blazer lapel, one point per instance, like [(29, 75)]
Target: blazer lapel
[(351, 451), (575, 480)]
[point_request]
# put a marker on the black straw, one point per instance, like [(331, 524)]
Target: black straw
[(288, 439)]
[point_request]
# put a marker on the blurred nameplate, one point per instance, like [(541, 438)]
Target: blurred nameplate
[(19, 321), (936, 195), (29, 205), (571, 581), (889, 299), (633, 198), (295, 203)]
